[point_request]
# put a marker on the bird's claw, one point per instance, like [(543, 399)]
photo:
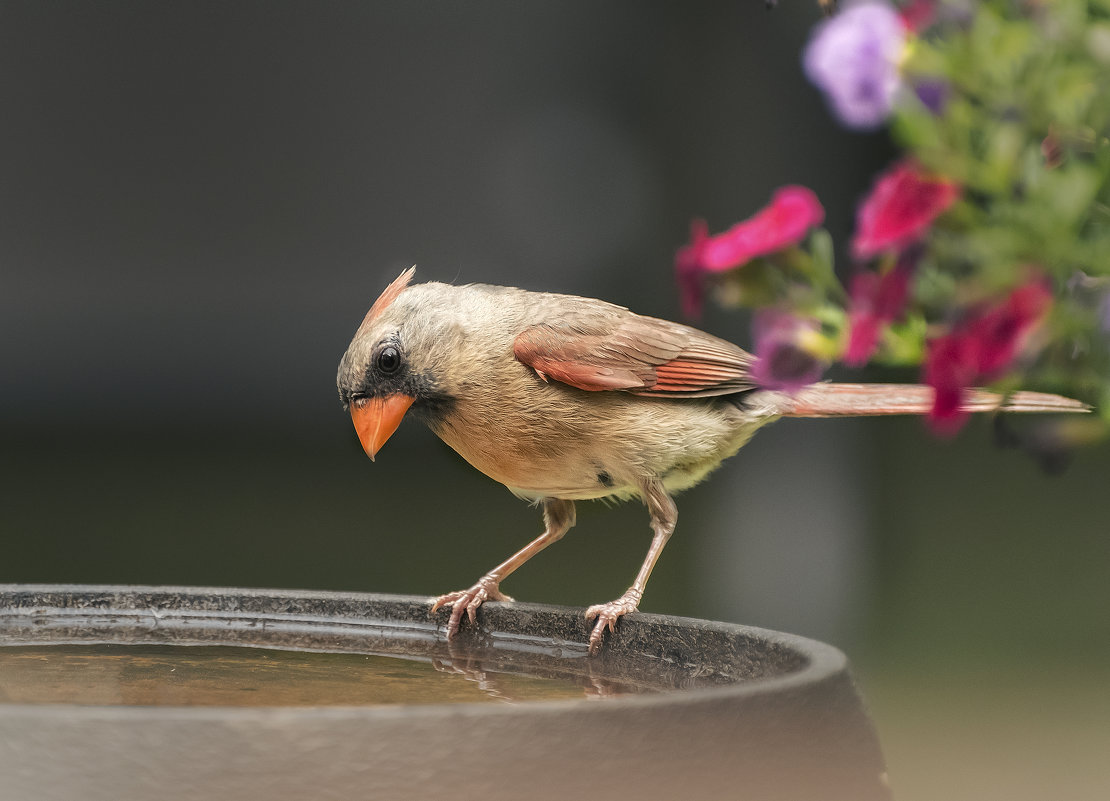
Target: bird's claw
[(607, 615), (468, 601)]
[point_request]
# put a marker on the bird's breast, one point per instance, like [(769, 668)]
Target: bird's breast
[(549, 440), (543, 450)]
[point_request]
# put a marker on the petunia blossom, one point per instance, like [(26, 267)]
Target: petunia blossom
[(853, 58), (951, 366), (782, 360), (980, 350), (902, 205), (1052, 150), (688, 269), (1002, 329), (876, 301), (917, 15), (793, 210), (933, 94)]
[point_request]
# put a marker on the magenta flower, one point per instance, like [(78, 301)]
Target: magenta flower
[(917, 15), (1002, 330), (902, 205), (782, 362), (876, 301), (793, 210), (853, 58), (980, 350), (950, 368), (689, 269)]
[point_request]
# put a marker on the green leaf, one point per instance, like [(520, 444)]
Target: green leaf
[(822, 258)]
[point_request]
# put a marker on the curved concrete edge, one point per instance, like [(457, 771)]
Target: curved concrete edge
[(802, 734)]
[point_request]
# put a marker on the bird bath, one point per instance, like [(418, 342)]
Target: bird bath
[(182, 693)]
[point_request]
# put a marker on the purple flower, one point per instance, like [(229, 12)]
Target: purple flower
[(933, 94), (782, 362), (853, 58)]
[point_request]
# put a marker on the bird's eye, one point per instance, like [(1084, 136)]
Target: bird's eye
[(389, 359)]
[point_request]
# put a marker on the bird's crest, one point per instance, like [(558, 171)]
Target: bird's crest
[(389, 294)]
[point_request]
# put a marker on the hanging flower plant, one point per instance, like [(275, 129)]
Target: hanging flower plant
[(982, 254)]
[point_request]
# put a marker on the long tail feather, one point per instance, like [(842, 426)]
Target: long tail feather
[(855, 400)]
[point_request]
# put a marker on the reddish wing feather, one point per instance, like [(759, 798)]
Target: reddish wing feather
[(641, 355)]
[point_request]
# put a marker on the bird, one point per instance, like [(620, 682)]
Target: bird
[(563, 398)]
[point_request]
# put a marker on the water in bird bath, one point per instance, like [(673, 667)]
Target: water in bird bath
[(176, 675)]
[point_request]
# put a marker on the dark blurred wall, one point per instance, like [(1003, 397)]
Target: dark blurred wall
[(198, 202), (200, 199)]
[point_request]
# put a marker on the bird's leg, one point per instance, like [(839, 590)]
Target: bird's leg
[(558, 517), (664, 516)]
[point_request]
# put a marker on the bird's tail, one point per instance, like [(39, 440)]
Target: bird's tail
[(861, 400)]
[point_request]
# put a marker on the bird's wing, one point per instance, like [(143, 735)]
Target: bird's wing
[(640, 355)]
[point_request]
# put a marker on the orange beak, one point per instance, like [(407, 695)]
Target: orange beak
[(376, 419)]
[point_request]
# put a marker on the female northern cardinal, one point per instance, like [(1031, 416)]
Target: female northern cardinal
[(562, 398)]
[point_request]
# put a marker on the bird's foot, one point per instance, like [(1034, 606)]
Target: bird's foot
[(607, 615), (468, 601)]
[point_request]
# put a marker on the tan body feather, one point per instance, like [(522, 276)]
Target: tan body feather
[(542, 438)]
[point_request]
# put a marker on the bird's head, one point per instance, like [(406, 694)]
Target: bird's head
[(399, 358)]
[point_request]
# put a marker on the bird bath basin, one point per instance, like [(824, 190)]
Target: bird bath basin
[(177, 693)]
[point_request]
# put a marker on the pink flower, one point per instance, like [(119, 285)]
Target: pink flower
[(980, 350), (782, 363), (876, 301), (1002, 330), (688, 269), (917, 15), (901, 207), (951, 366), (793, 210)]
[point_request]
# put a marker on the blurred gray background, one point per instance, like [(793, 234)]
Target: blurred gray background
[(199, 201)]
